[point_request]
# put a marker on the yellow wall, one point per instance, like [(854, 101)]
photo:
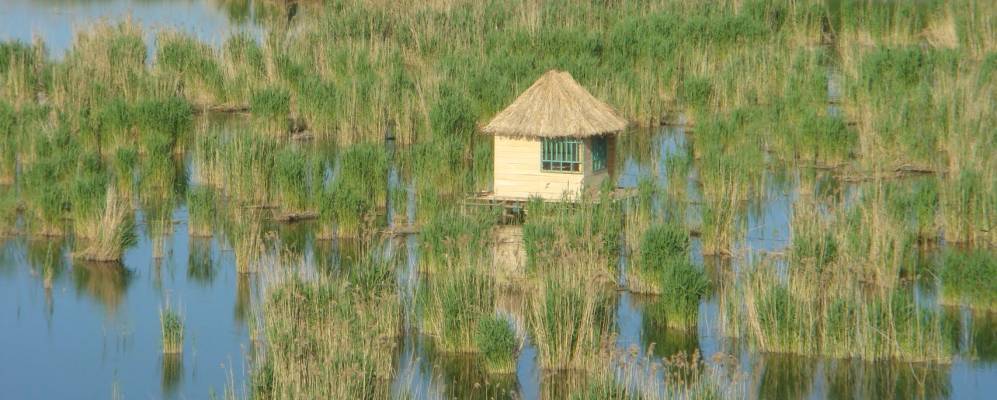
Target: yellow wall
[(518, 171)]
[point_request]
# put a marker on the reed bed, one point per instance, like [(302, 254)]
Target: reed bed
[(456, 238), (453, 303), (495, 338), (570, 321), (559, 234), (115, 231), (841, 292), (326, 336), (969, 278), (202, 210)]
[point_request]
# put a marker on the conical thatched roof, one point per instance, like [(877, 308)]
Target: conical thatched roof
[(556, 106)]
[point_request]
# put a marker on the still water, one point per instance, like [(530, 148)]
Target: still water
[(56, 21)]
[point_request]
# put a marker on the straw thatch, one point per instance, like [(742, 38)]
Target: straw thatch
[(556, 106)]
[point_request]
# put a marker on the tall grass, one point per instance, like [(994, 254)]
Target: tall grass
[(326, 337), (799, 318), (570, 319), (358, 189), (970, 278), (586, 233), (271, 107), (663, 268), (172, 327), (202, 211), (453, 303), (455, 238), (495, 338), (115, 234), (298, 181), (626, 375)]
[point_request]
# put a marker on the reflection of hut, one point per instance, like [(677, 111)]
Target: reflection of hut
[(553, 141)]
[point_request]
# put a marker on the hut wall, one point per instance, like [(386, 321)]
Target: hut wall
[(593, 179), (518, 172)]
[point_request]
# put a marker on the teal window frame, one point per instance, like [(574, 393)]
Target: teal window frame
[(561, 155), (600, 153)]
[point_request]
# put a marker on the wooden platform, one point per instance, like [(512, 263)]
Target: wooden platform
[(492, 199)]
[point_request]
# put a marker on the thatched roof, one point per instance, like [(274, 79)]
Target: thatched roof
[(556, 106)]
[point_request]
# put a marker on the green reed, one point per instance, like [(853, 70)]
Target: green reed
[(453, 303), (191, 65), (455, 238), (202, 209), (970, 277), (297, 180), (496, 340), (805, 316), (172, 326), (570, 321), (326, 337), (271, 108), (555, 232), (358, 190)]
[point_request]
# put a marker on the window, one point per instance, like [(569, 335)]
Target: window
[(599, 153), (561, 155)]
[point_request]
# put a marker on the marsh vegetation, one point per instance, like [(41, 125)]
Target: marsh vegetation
[(812, 209)]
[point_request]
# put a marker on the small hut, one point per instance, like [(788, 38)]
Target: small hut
[(554, 141)]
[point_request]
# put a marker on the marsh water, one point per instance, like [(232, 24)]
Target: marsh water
[(92, 330)]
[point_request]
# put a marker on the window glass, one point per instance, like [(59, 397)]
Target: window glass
[(561, 155), (599, 153)]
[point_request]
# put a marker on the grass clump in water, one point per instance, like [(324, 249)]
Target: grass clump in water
[(116, 231), (327, 336), (453, 303), (570, 319), (271, 108), (970, 277), (202, 211), (455, 238), (497, 343), (172, 326)]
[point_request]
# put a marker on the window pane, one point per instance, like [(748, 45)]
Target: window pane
[(560, 154)]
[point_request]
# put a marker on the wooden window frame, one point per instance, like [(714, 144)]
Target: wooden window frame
[(561, 155)]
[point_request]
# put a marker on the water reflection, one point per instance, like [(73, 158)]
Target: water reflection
[(172, 371), (200, 266), (861, 380), (105, 282), (782, 376)]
